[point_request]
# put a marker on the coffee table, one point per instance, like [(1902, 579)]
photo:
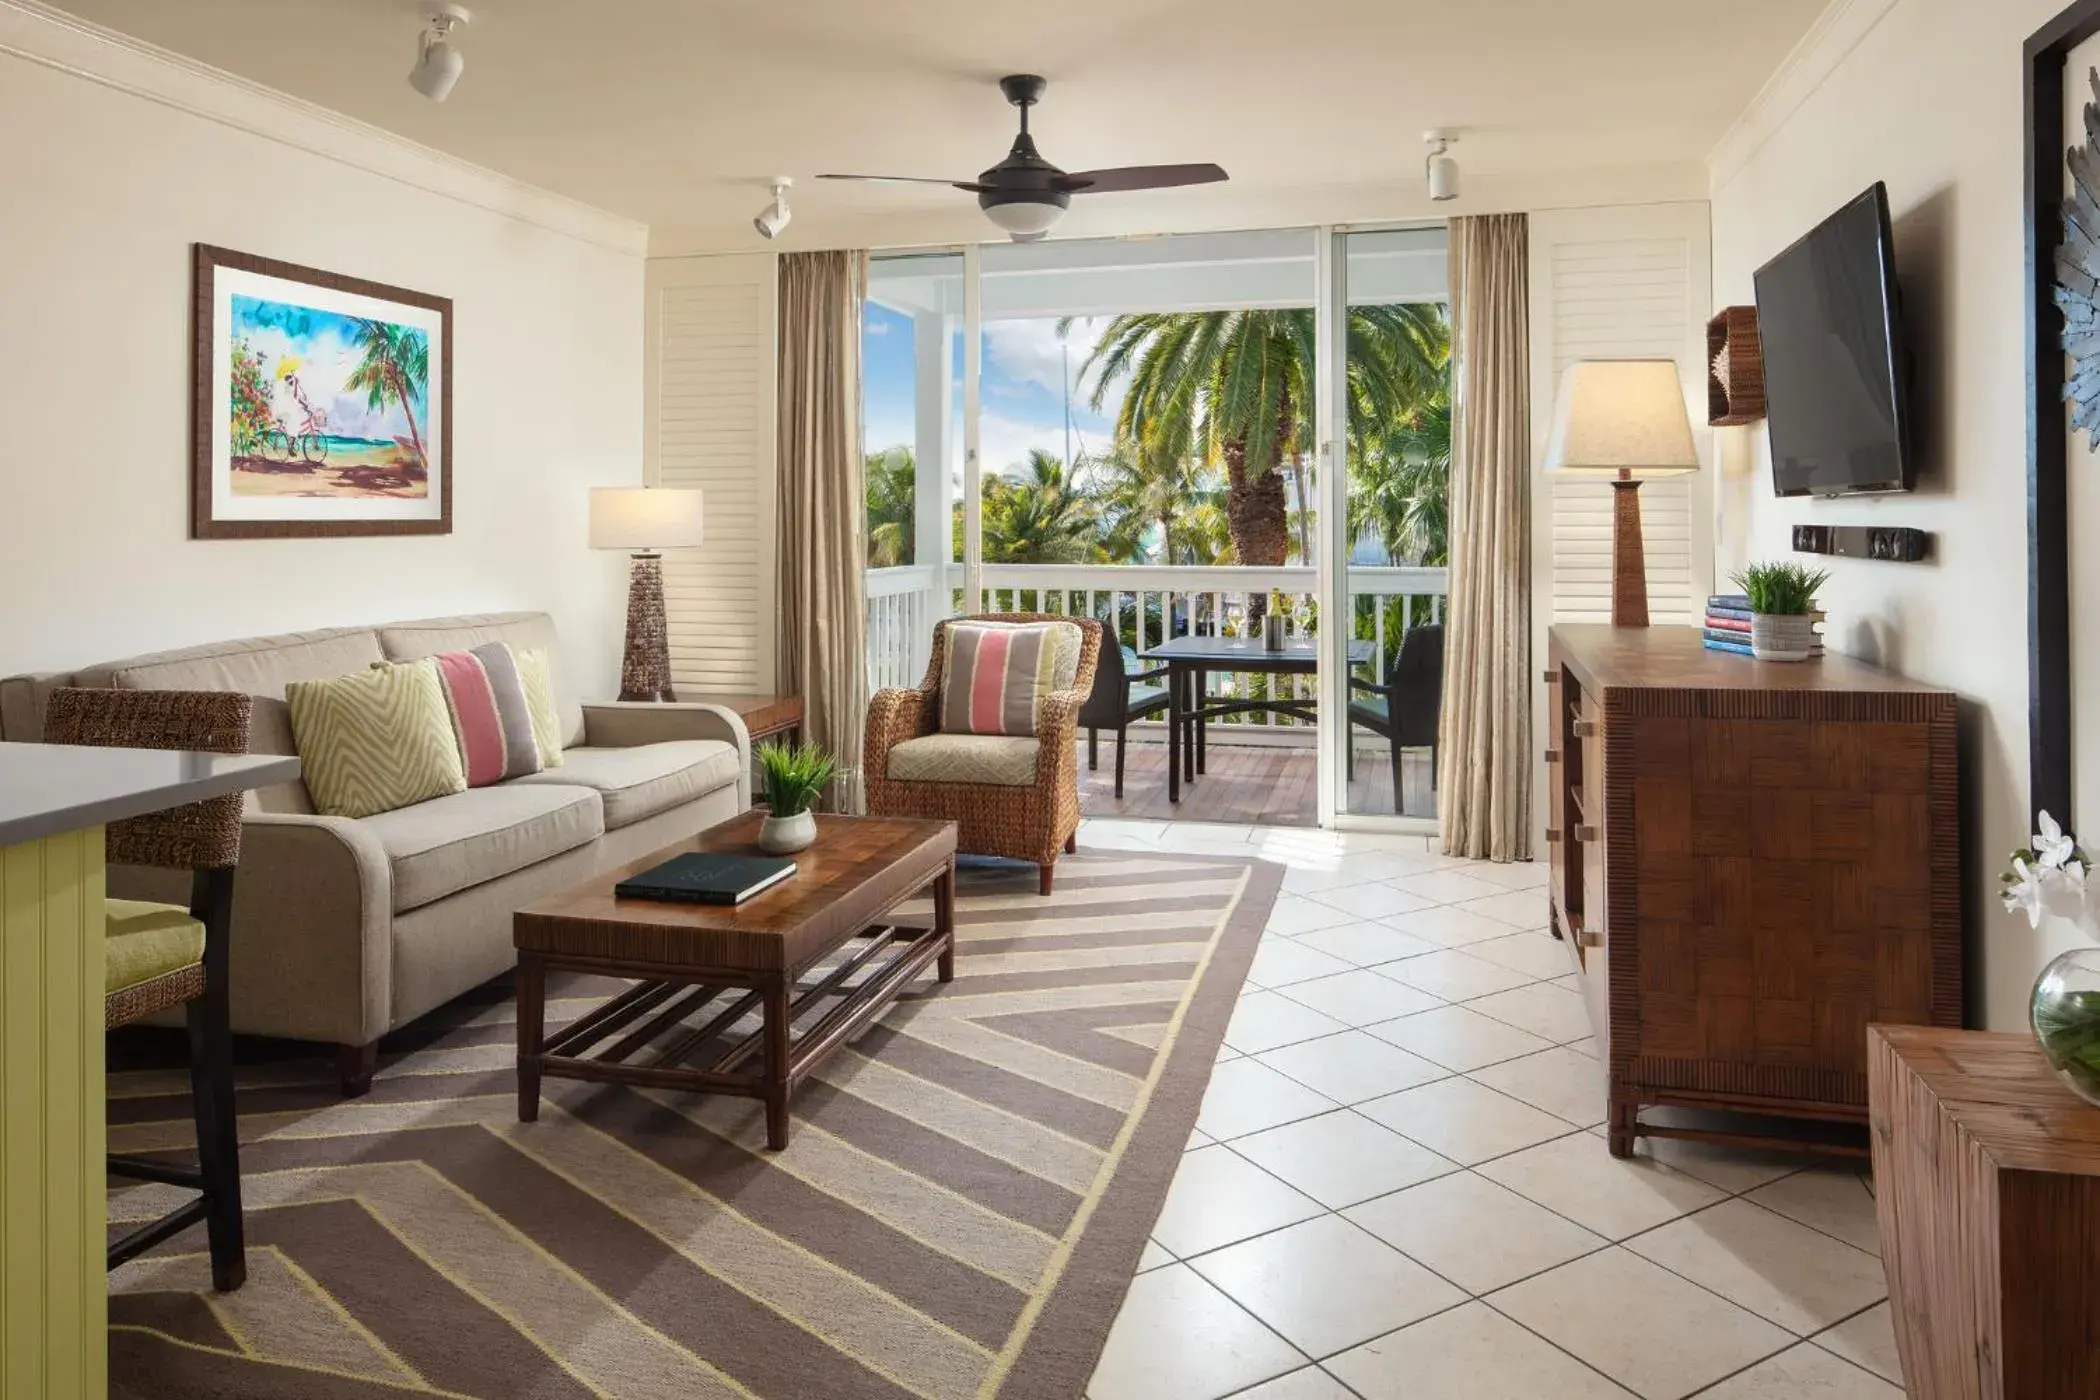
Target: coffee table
[(708, 967)]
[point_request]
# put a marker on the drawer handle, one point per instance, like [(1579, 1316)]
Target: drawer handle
[(1587, 835), (1587, 728)]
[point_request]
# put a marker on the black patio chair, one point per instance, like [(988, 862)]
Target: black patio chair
[(1120, 697), (1403, 711)]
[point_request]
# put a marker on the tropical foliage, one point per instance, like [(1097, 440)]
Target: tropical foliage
[(395, 369), (252, 419), (893, 479)]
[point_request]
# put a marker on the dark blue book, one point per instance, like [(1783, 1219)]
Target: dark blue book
[(1739, 614), (704, 877)]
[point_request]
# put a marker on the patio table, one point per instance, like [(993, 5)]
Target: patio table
[(1191, 658)]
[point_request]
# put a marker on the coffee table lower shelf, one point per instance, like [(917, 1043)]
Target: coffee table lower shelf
[(885, 958)]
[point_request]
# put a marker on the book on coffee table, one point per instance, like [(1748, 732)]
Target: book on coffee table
[(705, 877)]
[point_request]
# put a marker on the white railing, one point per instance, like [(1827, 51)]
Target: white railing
[(1146, 604)]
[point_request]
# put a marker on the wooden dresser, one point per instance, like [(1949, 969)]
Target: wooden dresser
[(1750, 863)]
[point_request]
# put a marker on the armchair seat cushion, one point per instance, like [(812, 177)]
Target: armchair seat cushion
[(142, 941), (637, 783), (998, 759), (1370, 709), (1145, 697), (454, 843)]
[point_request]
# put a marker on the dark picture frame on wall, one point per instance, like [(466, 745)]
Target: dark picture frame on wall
[(321, 405), (2049, 417)]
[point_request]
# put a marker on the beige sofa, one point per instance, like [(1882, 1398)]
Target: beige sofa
[(346, 929)]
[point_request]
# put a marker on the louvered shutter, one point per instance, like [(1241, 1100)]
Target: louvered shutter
[(1620, 283), (711, 328)]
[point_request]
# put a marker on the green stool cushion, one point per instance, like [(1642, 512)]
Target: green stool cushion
[(144, 941)]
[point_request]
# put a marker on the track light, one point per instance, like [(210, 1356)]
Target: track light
[(774, 217), (438, 63), (1441, 168)]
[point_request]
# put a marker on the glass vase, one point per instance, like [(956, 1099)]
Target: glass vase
[(2065, 1014)]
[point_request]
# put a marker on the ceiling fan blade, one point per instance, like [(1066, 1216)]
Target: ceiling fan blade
[(971, 185), (1139, 177)]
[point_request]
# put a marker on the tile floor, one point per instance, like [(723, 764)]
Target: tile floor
[(1398, 1186)]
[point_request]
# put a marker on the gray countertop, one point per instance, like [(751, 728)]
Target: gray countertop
[(46, 789)]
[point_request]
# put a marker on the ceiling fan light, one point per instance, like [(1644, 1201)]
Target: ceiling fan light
[(1025, 220)]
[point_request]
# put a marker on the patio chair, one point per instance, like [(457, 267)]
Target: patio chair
[(1017, 796), (1403, 711), (161, 956), (1119, 699)]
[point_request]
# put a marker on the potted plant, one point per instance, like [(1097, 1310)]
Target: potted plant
[(794, 776), (1783, 608), (2050, 877)]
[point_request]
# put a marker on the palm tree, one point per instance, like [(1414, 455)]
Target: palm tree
[(1236, 388), (395, 370), (1137, 491), (1043, 518), (892, 490), (1400, 485)]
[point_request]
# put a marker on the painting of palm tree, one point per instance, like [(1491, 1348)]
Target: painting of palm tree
[(328, 401)]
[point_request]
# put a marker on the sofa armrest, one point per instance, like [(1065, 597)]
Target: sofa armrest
[(627, 724), (313, 954)]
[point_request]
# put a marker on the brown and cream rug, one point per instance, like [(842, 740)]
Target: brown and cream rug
[(963, 1205)]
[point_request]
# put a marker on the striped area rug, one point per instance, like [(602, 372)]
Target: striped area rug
[(958, 1217)]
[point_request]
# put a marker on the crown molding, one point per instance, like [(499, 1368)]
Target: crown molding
[(1829, 42), (50, 38)]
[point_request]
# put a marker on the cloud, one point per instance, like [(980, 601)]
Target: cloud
[(1003, 443)]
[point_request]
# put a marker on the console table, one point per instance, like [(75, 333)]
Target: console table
[(1751, 861), (1987, 1183)]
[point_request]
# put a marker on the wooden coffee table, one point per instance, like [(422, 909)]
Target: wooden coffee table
[(708, 967)]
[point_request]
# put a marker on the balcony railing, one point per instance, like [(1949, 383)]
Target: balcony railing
[(1145, 604)]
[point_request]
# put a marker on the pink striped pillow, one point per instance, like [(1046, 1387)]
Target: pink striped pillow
[(994, 675), (491, 718)]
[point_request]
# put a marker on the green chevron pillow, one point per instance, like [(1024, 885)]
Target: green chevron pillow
[(375, 740)]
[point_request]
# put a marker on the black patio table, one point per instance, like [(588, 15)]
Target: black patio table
[(1189, 659)]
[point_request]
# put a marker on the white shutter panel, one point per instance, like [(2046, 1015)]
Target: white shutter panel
[(712, 383), (1620, 283)]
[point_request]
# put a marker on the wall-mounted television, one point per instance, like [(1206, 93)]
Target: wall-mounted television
[(1831, 321)]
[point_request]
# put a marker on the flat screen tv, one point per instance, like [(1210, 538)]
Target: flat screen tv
[(1831, 323)]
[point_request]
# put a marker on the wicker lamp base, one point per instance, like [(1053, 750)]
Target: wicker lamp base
[(645, 671), (1629, 563)]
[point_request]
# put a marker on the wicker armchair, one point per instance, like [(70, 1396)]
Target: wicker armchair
[(161, 956), (1033, 822)]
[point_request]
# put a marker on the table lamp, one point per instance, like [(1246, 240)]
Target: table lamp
[(645, 519), (1624, 420)]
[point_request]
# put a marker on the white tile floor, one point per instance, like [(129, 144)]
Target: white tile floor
[(1398, 1188)]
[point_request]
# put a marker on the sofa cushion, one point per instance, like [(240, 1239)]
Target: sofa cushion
[(375, 740), (965, 758), (523, 631), (647, 779), (453, 843)]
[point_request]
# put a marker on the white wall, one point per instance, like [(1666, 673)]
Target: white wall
[(1925, 95), (108, 179)]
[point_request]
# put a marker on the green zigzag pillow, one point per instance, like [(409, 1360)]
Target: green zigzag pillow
[(375, 740)]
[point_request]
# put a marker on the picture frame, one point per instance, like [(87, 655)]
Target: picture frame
[(321, 404)]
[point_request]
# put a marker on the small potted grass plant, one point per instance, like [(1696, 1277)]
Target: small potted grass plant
[(1783, 608), (795, 776)]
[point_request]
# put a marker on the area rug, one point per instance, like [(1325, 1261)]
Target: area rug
[(961, 1210)]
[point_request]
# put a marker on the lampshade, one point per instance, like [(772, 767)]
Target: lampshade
[(1622, 417), (644, 517)]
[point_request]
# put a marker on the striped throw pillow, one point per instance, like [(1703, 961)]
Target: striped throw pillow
[(491, 718), (994, 675), (375, 740)]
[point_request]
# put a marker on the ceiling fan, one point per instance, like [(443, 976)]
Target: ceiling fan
[(1025, 194)]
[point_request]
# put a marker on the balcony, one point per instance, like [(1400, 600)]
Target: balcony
[(1261, 767)]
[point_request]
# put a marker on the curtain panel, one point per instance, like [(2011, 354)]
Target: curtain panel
[(1485, 756), (822, 641)]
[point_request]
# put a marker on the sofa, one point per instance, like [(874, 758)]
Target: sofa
[(345, 929)]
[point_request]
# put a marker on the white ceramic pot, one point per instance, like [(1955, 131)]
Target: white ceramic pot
[(1783, 636), (781, 836)]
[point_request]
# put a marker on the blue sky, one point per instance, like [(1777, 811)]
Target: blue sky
[(320, 347), (1023, 397)]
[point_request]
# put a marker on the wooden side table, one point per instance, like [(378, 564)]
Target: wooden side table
[(764, 715), (1987, 1182)]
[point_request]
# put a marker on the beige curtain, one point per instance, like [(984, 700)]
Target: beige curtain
[(822, 648), (1484, 773)]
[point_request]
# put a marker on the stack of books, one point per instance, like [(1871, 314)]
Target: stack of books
[(1728, 624)]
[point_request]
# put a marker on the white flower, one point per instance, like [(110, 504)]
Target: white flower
[(2023, 892), (2053, 847)]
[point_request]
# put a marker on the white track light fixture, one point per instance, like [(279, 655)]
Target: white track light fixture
[(1441, 168), (774, 217), (438, 62)]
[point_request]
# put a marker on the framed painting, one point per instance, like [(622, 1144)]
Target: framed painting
[(321, 404)]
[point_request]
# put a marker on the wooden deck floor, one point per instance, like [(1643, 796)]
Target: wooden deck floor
[(1272, 786)]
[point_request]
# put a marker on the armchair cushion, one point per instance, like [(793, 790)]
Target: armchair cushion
[(995, 675), (650, 778), (1000, 760)]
